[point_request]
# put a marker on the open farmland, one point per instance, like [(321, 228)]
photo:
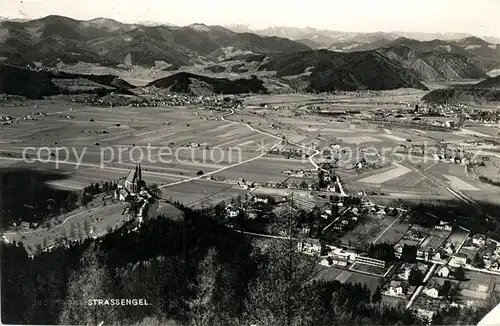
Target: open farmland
[(382, 177), (194, 191), (265, 169)]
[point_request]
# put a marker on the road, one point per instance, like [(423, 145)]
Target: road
[(421, 287), (310, 158), (454, 192)]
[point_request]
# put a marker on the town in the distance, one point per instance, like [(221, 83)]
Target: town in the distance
[(231, 176)]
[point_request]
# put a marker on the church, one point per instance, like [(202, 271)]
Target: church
[(134, 181)]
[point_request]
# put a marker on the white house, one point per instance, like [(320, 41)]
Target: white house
[(449, 249), (444, 271), (495, 266), (443, 226), (232, 212), (458, 259), (432, 292), (479, 240), (261, 200), (406, 274), (342, 262), (309, 246), (396, 288)]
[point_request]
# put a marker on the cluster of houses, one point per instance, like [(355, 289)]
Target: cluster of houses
[(252, 210), (288, 152), (7, 120), (488, 250), (35, 116)]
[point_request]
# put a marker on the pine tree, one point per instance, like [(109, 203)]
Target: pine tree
[(72, 231), (478, 261), (281, 293), (86, 227), (90, 281), (377, 296), (201, 308)]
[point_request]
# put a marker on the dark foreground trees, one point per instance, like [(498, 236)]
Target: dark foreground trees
[(193, 272)]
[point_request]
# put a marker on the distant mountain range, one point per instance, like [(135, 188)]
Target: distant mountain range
[(54, 38), (325, 38), (356, 61), (484, 53)]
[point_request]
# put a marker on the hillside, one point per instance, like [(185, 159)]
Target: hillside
[(55, 39), (461, 95), (485, 53), (433, 65), (493, 82), (202, 85), (323, 70), (468, 58), (34, 84)]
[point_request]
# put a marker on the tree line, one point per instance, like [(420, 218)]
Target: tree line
[(192, 272)]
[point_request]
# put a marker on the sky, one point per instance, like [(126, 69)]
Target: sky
[(477, 17)]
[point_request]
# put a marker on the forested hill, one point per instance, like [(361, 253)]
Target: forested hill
[(192, 272)]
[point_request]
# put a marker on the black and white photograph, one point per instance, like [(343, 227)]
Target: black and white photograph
[(250, 162)]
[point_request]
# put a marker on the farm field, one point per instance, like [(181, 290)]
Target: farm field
[(382, 177), (279, 99), (491, 130), (225, 195), (194, 191), (265, 169)]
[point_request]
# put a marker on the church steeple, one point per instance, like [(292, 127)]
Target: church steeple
[(139, 175)]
